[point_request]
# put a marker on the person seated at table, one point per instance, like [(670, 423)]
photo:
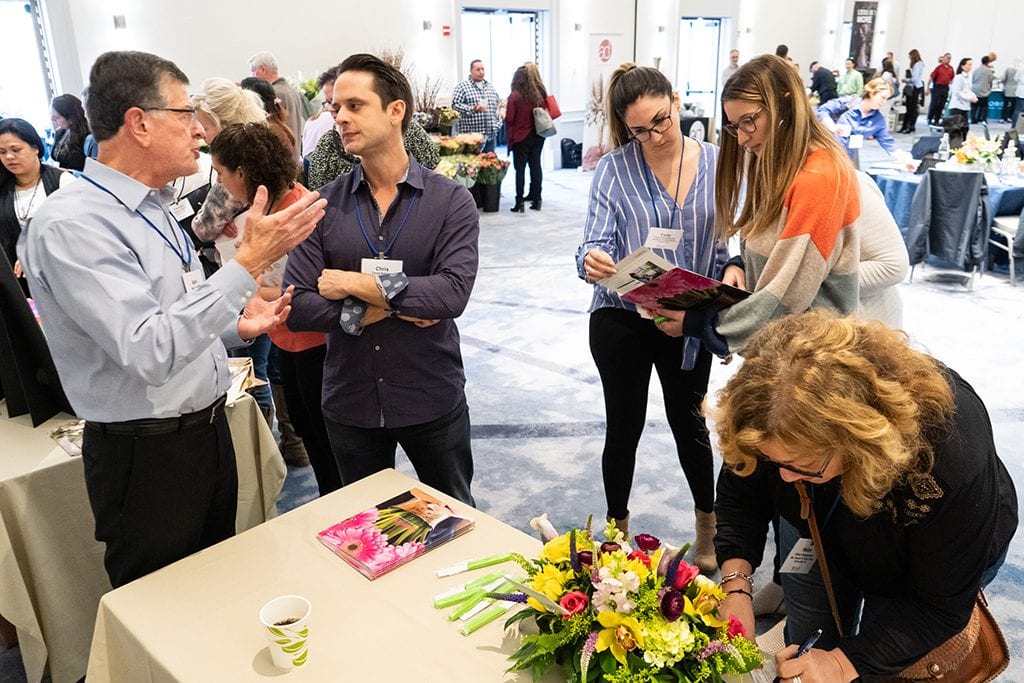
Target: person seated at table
[(838, 424), (856, 118)]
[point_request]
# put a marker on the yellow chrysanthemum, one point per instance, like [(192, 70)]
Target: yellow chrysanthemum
[(557, 549), (551, 582), (620, 634)]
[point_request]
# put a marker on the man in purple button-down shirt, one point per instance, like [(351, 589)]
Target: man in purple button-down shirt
[(384, 274)]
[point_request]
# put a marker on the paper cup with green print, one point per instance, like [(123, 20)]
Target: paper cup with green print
[(286, 623)]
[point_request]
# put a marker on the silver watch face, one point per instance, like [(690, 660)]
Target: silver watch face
[(697, 131)]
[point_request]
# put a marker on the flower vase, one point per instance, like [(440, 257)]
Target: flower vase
[(477, 197), (444, 129), (490, 197)]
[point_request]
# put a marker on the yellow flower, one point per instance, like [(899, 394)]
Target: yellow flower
[(703, 608), (556, 550), (621, 634), (551, 582)]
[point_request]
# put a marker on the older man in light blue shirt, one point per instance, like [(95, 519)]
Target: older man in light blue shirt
[(136, 334)]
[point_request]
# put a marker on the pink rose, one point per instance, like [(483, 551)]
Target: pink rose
[(646, 542), (685, 573), (573, 602), (736, 627)]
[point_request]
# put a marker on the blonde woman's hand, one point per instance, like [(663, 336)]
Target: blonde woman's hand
[(735, 276)]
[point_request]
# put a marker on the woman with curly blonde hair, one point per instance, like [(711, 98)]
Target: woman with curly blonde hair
[(896, 455)]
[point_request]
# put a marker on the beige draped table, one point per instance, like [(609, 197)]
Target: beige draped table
[(51, 567), (197, 620)]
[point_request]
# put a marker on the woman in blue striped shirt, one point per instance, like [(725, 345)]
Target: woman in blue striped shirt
[(654, 177)]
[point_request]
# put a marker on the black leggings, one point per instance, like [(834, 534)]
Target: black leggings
[(625, 347), (527, 152)]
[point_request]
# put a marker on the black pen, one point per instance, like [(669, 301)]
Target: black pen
[(808, 644)]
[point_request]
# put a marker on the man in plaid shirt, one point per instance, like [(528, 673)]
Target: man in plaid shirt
[(477, 102)]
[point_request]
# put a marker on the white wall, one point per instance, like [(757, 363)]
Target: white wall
[(937, 26)]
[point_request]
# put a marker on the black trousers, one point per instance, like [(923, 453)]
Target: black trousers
[(911, 101), (979, 110), (939, 95), (157, 498), (1009, 104), (527, 152), (625, 348), (302, 376)]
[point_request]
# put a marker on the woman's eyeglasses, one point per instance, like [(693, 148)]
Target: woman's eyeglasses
[(661, 124), (747, 123), (797, 470)]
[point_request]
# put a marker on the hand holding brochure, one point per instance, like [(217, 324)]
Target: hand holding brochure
[(390, 534), (647, 280)]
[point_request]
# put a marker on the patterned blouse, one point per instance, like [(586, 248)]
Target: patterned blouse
[(329, 160)]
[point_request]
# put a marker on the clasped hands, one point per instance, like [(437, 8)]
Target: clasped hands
[(337, 284)]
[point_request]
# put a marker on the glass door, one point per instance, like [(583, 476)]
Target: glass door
[(699, 65)]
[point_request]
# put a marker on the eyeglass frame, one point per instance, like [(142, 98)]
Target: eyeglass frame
[(796, 470), (733, 129), (178, 110), (647, 132)]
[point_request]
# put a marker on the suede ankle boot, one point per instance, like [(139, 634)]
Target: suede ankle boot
[(519, 207), (704, 547), (621, 524), (292, 449)]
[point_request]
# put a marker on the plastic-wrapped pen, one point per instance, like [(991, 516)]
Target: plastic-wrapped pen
[(463, 591), (467, 565), (485, 617)]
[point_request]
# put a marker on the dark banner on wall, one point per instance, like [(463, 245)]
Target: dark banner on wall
[(863, 34)]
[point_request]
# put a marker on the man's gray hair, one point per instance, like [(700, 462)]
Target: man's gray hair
[(265, 59)]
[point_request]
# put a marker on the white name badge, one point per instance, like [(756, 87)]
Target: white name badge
[(663, 238), (193, 279), (856, 141), (801, 558), (381, 266), (181, 210)]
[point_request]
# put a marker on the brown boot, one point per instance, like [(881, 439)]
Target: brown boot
[(704, 547), (621, 524), (292, 449)]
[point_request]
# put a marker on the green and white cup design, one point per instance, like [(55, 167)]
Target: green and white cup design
[(286, 622)]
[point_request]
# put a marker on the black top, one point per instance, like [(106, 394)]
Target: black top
[(823, 82), (10, 228), (919, 560), (68, 153)]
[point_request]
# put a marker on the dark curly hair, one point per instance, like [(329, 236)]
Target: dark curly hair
[(263, 159)]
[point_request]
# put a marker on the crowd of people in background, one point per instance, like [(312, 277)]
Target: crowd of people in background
[(345, 295)]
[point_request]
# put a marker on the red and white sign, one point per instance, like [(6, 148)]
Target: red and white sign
[(604, 50), (446, 31)]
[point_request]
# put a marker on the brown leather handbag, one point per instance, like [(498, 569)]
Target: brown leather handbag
[(975, 655)]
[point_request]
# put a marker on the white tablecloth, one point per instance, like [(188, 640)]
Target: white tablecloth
[(51, 567)]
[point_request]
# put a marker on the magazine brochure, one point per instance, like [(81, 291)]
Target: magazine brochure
[(649, 281), (394, 532)]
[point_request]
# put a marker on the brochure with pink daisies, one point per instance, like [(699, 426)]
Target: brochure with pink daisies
[(391, 533)]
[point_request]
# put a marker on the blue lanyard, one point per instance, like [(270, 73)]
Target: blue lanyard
[(377, 253), (650, 190), (835, 504), (180, 252)]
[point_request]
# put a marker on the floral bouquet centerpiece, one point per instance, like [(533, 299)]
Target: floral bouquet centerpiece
[(979, 151), (491, 169), (447, 146), (458, 169), (625, 614), (471, 143)]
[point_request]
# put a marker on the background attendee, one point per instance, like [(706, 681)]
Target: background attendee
[(941, 77), (393, 373), (734, 63), (263, 65), (277, 112), (851, 82), (135, 332), (913, 92), (25, 182), (477, 102), (654, 178), (1010, 92), (823, 83), (322, 121), (961, 96), (526, 145), (981, 84), (248, 156), (856, 119), (70, 130), (890, 454)]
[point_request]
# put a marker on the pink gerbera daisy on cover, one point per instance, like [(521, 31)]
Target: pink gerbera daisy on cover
[(394, 555), (362, 543), (363, 519)]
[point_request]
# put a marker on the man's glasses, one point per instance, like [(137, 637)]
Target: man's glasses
[(661, 124), (748, 124), (177, 110), (797, 470)]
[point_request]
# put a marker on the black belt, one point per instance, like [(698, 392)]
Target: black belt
[(167, 425)]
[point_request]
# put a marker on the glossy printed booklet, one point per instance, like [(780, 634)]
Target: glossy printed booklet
[(647, 280), (391, 533)]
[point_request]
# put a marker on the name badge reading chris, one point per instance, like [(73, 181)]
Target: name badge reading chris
[(193, 279), (801, 558), (856, 141), (381, 266), (663, 238), (182, 210)]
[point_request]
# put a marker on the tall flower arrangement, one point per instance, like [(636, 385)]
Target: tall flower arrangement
[(625, 613)]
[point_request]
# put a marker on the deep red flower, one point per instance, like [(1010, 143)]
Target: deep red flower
[(647, 543), (672, 605), (573, 602), (685, 573), (586, 557), (642, 556), (736, 627), (610, 547)]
